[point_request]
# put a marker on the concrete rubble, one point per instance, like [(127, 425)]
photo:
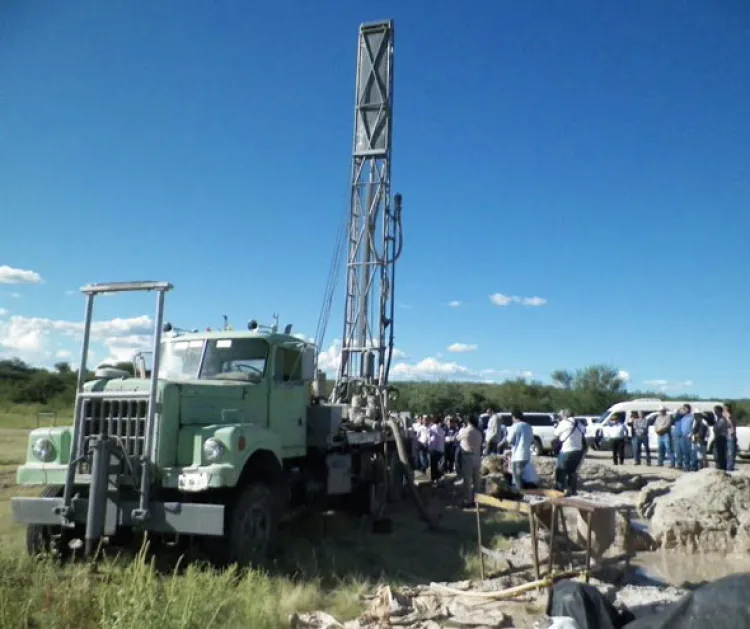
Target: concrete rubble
[(426, 607)]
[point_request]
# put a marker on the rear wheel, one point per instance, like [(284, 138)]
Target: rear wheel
[(42, 539), (252, 526), (536, 447)]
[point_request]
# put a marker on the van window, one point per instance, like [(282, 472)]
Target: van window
[(538, 419)]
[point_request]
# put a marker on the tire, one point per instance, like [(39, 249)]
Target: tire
[(536, 447), (252, 527), (42, 539)]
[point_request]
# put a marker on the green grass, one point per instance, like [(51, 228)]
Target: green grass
[(328, 561)]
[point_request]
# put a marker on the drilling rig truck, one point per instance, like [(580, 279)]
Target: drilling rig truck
[(232, 431)]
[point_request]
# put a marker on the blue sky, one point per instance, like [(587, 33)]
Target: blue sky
[(593, 154)]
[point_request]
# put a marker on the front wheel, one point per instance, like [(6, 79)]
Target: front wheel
[(536, 447), (253, 526), (42, 539)]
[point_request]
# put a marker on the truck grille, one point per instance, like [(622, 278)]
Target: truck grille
[(123, 419)]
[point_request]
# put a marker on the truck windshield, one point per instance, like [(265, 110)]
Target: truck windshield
[(180, 359), (235, 359)]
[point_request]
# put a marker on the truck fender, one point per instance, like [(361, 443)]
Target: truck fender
[(262, 466)]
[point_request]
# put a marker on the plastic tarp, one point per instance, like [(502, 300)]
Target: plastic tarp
[(586, 605), (722, 604)]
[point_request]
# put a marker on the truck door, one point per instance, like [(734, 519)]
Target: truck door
[(288, 401)]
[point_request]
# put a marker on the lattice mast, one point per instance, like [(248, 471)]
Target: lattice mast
[(374, 230)]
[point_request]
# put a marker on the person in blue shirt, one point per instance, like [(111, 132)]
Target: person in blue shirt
[(683, 438), (519, 437)]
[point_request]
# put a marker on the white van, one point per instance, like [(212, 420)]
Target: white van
[(651, 406), (593, 424)]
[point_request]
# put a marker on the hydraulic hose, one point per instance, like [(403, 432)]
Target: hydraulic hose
[(401, 449)]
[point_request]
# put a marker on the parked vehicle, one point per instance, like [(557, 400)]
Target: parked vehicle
[(592, 423), (543, 427), (651, 407)]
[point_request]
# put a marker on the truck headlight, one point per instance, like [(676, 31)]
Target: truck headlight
[(43, 450), (213, 450)]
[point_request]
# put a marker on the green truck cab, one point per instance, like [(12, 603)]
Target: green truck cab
[(228, 434)]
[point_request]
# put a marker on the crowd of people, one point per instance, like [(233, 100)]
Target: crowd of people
[(453, 444), (682, 437), (456, 444)]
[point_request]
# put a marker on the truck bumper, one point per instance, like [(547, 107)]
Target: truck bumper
[(165, 517)]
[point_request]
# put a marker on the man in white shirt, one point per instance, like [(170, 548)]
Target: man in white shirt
[(436, 445), (495, 433), (470, 444), (571, 436), (423, 440), (519, 437)]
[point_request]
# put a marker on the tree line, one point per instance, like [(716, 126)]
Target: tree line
[(587, 391)]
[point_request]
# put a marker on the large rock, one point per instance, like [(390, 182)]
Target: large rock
[(647, 498), (707, 510)]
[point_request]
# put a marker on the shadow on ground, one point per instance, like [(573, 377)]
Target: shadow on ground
[(336, 547)]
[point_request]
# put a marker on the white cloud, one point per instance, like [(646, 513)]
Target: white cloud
[(9, 275), (429, 368), (499, 299), (623, 375), (30, 338), (454, 304), (667, 385), (533, 301), (492, 374), (462, 348), (63, 354), (433, 368), (15, 295), (3, 312), (329, 360), (70, 292), (123, 348)]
